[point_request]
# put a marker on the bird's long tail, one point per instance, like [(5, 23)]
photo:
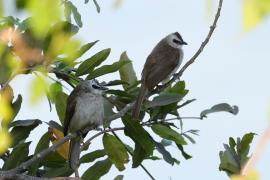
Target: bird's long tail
[(74, 153), (138, 103)]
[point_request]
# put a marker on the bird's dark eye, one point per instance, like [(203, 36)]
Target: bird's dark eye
[(176, 41), (96, 86)]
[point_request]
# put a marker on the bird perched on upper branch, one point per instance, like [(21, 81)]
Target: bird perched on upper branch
[(84, 109), (160, 65)]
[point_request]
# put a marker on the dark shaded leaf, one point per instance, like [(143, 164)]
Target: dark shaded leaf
[(184, 154), (92, 156), (64, 171), (106, 69), (168, 133), (21, 130), (97, 5), (42, 144), (127, 72), (228, 161), (54, 160), (219, 108), (186, 103), (189, 138), (60, 105), (115, 150), (16, 106), (55, 125), (96, 171), (164, 99), (166, 155), (89, 64), (17, 156), (116, 83), (144, 146), (76, 15), (166, 142), (119, 177)]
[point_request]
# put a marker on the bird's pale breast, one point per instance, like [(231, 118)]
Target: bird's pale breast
[(89, 111)]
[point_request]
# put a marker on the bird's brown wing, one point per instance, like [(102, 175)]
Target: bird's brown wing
[(159, 64), (70, 108)]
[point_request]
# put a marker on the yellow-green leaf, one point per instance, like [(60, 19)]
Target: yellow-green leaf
[(115, 150)]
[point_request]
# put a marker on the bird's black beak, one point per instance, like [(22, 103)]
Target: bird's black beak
[(103, 88), (184, 43)]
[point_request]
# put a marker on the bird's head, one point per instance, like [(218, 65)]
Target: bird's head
[(95, 87), (175, 40)]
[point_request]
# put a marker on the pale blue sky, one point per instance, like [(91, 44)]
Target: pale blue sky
[(233, 68)]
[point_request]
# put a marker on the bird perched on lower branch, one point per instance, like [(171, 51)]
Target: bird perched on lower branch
[(84, 109), (161, 64)]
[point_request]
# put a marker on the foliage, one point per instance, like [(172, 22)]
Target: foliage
[(235, 155), (43, 46)]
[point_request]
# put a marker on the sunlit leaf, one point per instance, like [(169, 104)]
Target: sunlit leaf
[(1, 8), (96, 171), (67, 10), (254, 12), (38, 88), (85, 48), (90, 63), (44, 14), (115, 150), (127, 72), (5, 141), (56, 135), (54, 90), (251, 175)]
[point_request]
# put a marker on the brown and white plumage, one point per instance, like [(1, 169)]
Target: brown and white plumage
[(160, 65), (84, 109)]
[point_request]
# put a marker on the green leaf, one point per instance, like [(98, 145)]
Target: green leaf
[(42, 144), (164, 99), (21, 130), (16, 106), (92, 156), (85, 48), (53, 160), (127, 72), (245, 142), (106, 69), (220, 107), (178, 88), (89, 64), (228, 161), (60, 105), (232, 142), (116, 83), (144, 146), (17, 156), (64, 171), (96, 171), (184, 154), (67, 10), (76, 15), (115, 150), (54, 90), (166, 155), (168, 133), (166, 142), (119, 177)]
